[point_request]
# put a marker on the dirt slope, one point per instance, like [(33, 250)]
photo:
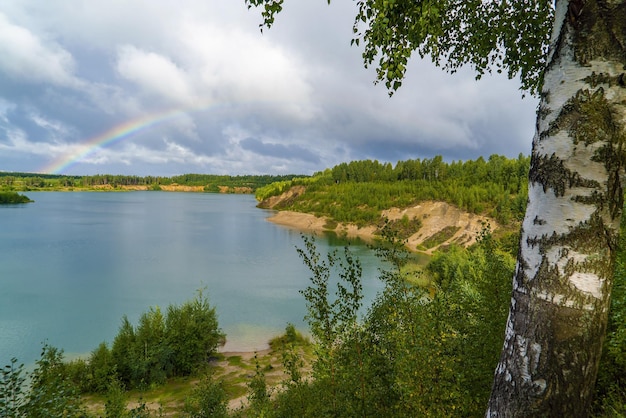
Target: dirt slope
[(442, 223)]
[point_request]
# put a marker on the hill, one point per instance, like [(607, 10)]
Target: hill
[(428, 203)]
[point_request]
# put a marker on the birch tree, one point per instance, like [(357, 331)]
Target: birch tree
[(572, 54), (563, 280)]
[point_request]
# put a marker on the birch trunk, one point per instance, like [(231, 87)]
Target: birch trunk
[(562, 283)]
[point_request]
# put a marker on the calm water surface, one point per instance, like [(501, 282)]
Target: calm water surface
[(72, 264)]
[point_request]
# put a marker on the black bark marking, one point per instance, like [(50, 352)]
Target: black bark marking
[(596, 79), (599, 31), (551, 173)]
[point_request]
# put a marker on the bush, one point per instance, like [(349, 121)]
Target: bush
[(13, 197), (208, 399)]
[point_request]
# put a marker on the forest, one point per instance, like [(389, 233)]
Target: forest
[(10, 181), (358, 191)]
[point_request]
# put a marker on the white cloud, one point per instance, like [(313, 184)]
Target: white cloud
[(235, 66), (27, 57), (154, 73)]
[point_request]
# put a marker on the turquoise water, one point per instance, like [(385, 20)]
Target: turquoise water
[(72, 264)]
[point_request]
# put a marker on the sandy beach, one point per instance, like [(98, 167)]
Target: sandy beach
[(306, 222)]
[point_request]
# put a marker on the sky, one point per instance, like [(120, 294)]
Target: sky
[(167, 87)]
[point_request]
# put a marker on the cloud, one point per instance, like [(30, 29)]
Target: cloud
[(287, 152), (26, 57), (154, 73), (231, 65)]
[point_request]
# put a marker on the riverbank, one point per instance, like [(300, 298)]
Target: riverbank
[(442, 224), (306, 222)]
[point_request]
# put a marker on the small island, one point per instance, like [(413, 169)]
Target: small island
[(9, 198)]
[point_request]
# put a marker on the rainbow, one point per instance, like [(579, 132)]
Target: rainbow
[(116, 134)]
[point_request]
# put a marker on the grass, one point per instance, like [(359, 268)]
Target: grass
[(440, 237)]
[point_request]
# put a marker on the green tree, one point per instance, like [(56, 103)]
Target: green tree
[(52, 393), (562, 285), (116, 400), (330, 319), (153, 355), (102, 368), (259, 393), (419, 351), (192, 334), (124, 354)]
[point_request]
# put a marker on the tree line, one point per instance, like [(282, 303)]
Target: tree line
[(210, 182)]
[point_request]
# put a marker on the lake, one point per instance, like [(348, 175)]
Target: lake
[(72, 264)]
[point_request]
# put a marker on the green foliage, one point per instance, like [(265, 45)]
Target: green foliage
[(52, 393), (358, 192), (277, 188), (404, 227), (329, 318), (123, 353), (115, 401), (12, 198), (441, 236), (259, 393), (12, 397), (291, 337), (208, 399), (152, 354), (192, 333), (161, 346), (102, 368), (418, 351)]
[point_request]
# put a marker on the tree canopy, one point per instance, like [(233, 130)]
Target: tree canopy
[(500, 35)]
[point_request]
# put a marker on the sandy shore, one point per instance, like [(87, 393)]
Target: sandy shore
[(310, 223)]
